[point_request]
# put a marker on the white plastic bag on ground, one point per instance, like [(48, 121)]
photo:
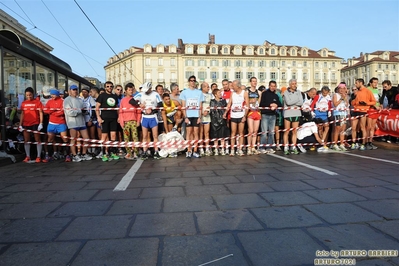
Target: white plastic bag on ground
[(169, 138)]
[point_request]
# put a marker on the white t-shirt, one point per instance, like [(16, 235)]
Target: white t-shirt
[(151, 102), (307, 129), (237, 105)]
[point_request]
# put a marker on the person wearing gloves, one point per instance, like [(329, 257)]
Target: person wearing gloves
[(74, 115), (31, 119)]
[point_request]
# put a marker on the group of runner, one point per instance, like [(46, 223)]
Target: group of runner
[(233, 120)]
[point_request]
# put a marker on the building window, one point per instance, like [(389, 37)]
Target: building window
[(249, 51), (160, 61), (394, 77), (24, 75), (214, 76), (250, 75), (24, 63), (293, 63), (225, 50), (386, 66), (261, 51), (333, 64), (214, 62), (173, 61), (316, 76), (303, 52), (305, 63), (250, 63), (226, 63), (305, 76), (189, 62), (189, 74), (282, 51), (201, 75), (325, 64), (50, 78), (293, 52), (262, 76), (379, 66), (324, 76), (201, 62), (273, 51), (273, 75), (283, 76), (237, 63), (190, 50), (225, 75), (148, 61), (238, 75), (11, 63), (261, 63), (316, 64), (324, 53), (238, 50), (293, 75), (213, 50), (202, 50), (394, 67), (283, 63), (148, 76), (333, 76), (273, 63)]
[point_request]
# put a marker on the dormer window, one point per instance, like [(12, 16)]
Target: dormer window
[(213, 50), (225, 50), (273, 51), (261, 51)]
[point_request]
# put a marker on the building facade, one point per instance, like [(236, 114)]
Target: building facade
[(211, 62), (383, 65)]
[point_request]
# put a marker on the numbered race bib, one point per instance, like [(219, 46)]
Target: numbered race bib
[(192, 103)]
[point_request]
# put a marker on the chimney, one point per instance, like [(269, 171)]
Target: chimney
[(361, 54), (211, 39)]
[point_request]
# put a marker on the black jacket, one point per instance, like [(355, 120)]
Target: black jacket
[(268, 97)]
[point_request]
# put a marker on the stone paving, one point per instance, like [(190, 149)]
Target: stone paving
[(260, 210)]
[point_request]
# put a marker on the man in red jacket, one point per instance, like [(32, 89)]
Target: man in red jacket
[(57, 123)]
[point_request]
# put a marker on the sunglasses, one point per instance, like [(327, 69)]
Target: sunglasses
[(192, 80), (110, 86), (117, 89)]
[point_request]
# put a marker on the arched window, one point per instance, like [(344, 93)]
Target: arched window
[(213, 50), (261, 51), (225, 50), (272, 51)]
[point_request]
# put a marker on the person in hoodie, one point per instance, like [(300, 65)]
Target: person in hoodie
[(129, 119), (57, 123), (292, 102), (271, 101), (74, 110)]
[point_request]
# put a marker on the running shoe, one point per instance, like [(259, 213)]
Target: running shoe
[(362, 147), (202, 153), (368, 146), (46, 159), (173, 155), (157, 156), (100, 155), (286, 151), (196, 155), (76, 159), (262, 151), (113, 156), (301, 148), (249, 151), (270, 151), (255, 151), (56, 156), (294, 150), (354, 146), (86, 157), (336, 148), (105, 158), (313, 148), (373, 146), (68, 159), (215, 152), (232, 153), (129, 156), (278, 148), (208, 152), (223, 152), (27, 159), (144, 156), (342, 147), (188, 154), (38, 160), (322, 149), (240, 152)]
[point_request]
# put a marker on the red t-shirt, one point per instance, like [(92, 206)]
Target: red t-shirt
[(31, 112)]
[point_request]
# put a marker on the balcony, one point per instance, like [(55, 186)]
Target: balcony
[(160, 80), (173, 80), (317, 81)]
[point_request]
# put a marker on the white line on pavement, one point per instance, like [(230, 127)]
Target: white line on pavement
[(305, 164), (124, 183), (371, 158)]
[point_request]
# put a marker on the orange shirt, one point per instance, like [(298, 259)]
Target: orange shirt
[(128, 114), (363, 95), (31, 112)]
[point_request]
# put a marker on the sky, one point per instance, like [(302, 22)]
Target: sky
[(346, 27)]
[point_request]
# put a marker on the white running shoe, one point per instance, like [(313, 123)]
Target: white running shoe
[(301, 148)]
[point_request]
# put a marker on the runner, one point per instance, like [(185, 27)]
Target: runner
[(292, 101), (254, 116), (129, 119), (321, 105), (74, 115), (238, 106), (205, 120), (341, 105), (149, 101), (363, 100), (31, 119), (192, 99), (219, 128), (372, 114)]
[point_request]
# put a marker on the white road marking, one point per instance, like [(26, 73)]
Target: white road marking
[(371, 158), (305, 164), (124, 183)]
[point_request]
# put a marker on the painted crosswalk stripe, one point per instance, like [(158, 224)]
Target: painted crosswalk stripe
[(124, 183), (305, 165)]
